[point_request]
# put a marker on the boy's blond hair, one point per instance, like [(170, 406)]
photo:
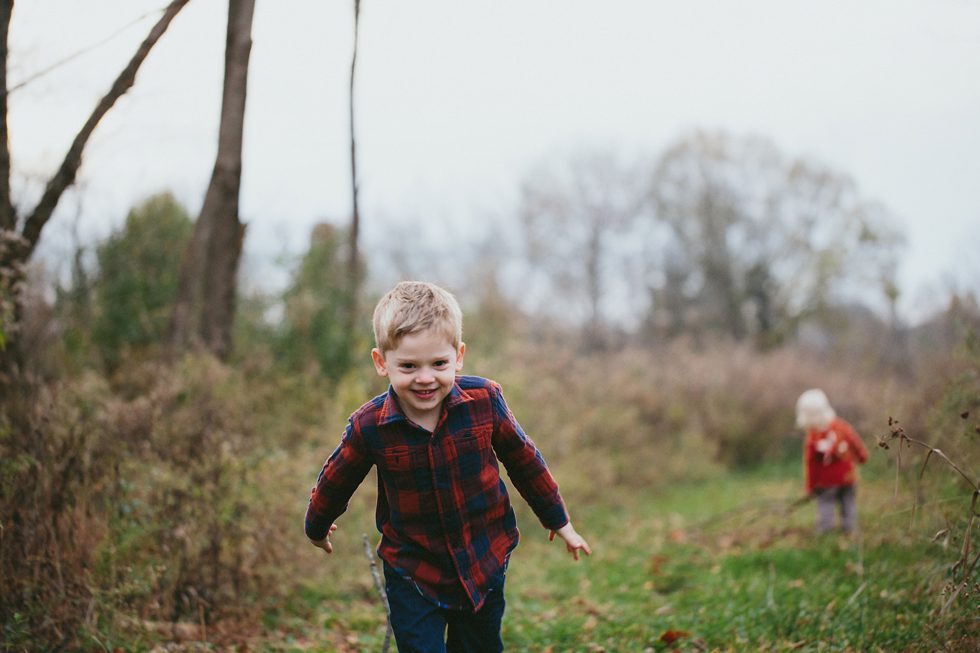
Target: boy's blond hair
[(415, 306), (813, 410)]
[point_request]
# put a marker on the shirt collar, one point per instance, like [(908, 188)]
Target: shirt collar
[(391, 412)]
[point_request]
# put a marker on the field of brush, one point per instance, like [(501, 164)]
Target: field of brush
[(162, 509)]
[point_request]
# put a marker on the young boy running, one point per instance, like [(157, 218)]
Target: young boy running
[(446, 522)]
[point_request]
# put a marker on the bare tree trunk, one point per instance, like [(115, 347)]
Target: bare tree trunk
[(353, 260), (593, 285), (228, 233), (204, 312), (721, 288), (7, 215)]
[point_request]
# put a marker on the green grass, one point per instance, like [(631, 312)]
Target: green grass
[(720, 564)]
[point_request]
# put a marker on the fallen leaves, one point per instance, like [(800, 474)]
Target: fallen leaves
[(671, 636)]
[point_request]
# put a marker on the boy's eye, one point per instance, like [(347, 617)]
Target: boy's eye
[(442, 363), (407, 366)]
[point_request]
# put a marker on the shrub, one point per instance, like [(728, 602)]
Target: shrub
[(56, 475), (138, 272), (316, 331), (163, 503), (192, 524), (649, 417)]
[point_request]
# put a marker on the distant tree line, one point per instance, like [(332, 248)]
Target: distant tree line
[(721, 234), (718, 236), (721, 237)]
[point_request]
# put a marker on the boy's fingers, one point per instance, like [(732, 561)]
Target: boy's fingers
[(583, 547), (323, 544), (551, 536)]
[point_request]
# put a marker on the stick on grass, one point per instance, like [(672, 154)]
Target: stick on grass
[(376, 575)]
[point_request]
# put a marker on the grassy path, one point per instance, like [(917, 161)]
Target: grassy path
[(720, 566)]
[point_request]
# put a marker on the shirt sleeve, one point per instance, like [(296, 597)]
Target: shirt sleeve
[(341, 475), (857, 446), (525, 465), (809, 462)]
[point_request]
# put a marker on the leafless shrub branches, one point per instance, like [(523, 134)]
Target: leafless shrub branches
[(961, 572)]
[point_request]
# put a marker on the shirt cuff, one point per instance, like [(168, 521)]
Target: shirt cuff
[(553, 517), (317, 529)]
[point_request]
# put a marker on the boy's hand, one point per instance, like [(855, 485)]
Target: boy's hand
[(573, 541), (325, 542)]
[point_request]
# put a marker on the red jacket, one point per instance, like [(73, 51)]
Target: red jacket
[(829, 455)]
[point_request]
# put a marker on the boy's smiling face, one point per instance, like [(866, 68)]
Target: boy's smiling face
[(422, 369)]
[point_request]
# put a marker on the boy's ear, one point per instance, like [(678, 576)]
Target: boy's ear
[(379, 362), (459, 356)]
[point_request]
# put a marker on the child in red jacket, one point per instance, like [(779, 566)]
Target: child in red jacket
[(832, 447)]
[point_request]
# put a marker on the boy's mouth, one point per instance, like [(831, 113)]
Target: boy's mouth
[(425, 394)]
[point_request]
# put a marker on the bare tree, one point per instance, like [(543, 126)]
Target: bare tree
[(205, 308), (573, 216), (773, 240), (21, 235), (704, 190), (353, 258)]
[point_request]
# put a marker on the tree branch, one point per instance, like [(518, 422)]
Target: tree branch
[(78, 53), (65, 176), (355, 217), (379, 585)]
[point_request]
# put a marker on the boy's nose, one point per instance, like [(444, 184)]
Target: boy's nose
[(426, 376)]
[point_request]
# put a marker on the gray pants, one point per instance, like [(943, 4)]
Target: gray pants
[(830, 497)]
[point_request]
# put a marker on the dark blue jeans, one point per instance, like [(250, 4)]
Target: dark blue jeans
[(421, 626)]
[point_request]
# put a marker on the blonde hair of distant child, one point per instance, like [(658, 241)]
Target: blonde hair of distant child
[(413, 307), (813, 410)]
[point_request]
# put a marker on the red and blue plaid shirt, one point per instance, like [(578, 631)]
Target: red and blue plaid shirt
[(445, 518)]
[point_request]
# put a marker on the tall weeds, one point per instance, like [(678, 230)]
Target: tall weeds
[(150, 500), (649, 417), (174, 493), (954, 445), (57, 469)]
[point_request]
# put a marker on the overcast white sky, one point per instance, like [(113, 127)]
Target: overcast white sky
[(458, 100)]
